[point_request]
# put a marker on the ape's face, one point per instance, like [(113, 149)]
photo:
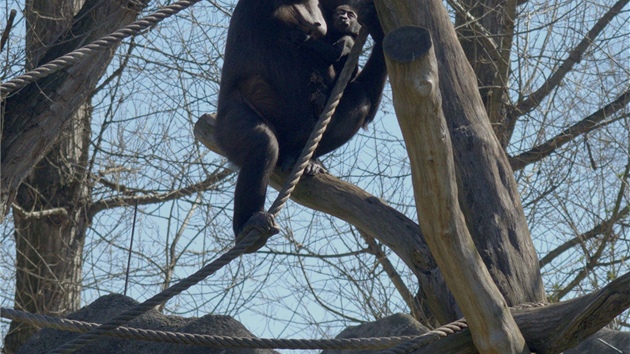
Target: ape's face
[(345, 20)]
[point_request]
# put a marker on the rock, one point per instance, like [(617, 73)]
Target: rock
[(394, 325), (604, 341), (109, 306)]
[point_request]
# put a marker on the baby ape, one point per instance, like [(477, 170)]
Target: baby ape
[(342, 32), (265, 113), (333, 49)]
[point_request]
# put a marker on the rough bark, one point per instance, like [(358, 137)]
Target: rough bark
[(478, 23), (488, 192), (413, 75), (50, 224), (35, 116), (52, 116)]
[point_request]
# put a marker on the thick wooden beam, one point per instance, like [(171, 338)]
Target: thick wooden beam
[(488, 193), (413, 74)]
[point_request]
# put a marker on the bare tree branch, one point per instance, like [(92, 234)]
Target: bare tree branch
[(608, 233), (376, 250), (7, 29), (586, 125), (158, 198), (597, 230), (38, 214), (575, 56)]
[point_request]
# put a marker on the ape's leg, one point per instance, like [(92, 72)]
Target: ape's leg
[(252, 145), (346, 121)]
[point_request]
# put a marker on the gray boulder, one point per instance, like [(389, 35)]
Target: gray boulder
[(605, 341), (395, 325), (109, 306)]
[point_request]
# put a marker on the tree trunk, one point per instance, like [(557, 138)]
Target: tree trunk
[(35, 116), (49, 223), (50, 218), (416, 95), (487, 189), (486, 30), (50, 210)]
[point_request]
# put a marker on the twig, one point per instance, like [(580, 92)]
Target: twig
[(7, 29)]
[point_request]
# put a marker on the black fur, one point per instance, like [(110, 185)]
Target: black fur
[(265, 115), (334, 48), (343, 28)]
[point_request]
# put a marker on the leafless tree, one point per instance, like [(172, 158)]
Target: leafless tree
[(554, 80)]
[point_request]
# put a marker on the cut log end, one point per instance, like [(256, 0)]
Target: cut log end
[(407, 43)]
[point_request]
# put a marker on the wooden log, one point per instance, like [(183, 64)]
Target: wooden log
[(557, 327), (488, 195), (413, 73)]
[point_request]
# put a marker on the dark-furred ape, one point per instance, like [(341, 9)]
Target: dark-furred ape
[(343, 28), (334, 48), (265, 113)]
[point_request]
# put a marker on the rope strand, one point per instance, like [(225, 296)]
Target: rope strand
[(94, 47), (373, 343), (429, 337)]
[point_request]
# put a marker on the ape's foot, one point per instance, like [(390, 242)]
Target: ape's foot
[(265, 224), (315, 167)]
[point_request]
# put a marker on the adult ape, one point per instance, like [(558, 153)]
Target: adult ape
[(265, 115)]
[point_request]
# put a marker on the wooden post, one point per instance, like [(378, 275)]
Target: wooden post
[(489, 195), (413, 75)]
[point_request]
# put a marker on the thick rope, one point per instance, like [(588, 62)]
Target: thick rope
[(429, 337), (373, 343), (252, 236), (94, 47), (448, 329), (158, 299)]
